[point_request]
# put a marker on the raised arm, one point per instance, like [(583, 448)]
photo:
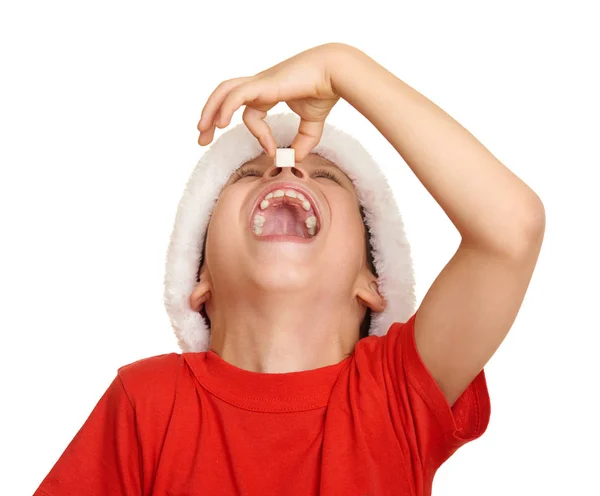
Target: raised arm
[(474, 301)]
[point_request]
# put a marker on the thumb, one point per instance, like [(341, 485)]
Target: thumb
[(309, 135)]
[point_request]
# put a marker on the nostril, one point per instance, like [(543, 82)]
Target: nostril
[(275, 171)]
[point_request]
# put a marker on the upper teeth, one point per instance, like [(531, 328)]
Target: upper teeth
[(288, 192), (309, 221), (259, 220)]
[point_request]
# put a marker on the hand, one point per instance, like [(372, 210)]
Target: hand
[(303, 82)]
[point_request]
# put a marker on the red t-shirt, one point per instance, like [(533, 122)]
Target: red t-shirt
[(374, 424)]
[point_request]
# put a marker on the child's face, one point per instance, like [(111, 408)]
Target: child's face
[(333, 260)]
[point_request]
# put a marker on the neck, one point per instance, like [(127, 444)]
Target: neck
[(278, 333)]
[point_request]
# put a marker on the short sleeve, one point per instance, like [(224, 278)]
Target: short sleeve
[(437, 429), (104, 457)]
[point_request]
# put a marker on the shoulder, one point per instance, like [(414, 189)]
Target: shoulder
[(152, 376), (382, 357), (375, 346), (154, 365)]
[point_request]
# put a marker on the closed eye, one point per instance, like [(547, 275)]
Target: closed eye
[(327, 174), (246, 170)]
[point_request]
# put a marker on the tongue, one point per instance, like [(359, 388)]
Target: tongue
[(282, 221)]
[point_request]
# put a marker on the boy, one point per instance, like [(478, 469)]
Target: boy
[(279, 389)]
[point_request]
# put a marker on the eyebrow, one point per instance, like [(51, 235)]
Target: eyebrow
[(329, 166)]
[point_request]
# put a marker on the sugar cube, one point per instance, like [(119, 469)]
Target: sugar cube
[(285, 157)]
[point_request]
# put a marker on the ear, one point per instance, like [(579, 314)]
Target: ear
[(368, 292), (202, 292)]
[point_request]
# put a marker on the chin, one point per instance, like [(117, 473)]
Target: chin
[(283, 278)]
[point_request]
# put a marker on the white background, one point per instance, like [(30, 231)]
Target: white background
[(98, 110)]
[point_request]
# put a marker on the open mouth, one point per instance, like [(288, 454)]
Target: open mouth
[(285, 213)]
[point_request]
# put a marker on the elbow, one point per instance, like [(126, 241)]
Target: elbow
[(530, 229), (518, 238)]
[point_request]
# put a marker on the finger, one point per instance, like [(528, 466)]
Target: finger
[(254, 120), (207, 136), (309, 135), (215, 100), (244, 93)]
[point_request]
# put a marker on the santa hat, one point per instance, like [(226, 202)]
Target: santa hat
[(389, 247)]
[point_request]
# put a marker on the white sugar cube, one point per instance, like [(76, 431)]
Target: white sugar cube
[(285, 157)]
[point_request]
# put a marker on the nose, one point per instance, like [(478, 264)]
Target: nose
[(283, 172)]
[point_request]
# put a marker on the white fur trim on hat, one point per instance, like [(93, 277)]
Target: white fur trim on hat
[(390, 248)]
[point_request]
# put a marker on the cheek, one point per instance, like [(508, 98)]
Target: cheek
[(348, 231), (227, 209), (224, 227)]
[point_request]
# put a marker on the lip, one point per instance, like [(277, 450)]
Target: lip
[(301, 188)]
